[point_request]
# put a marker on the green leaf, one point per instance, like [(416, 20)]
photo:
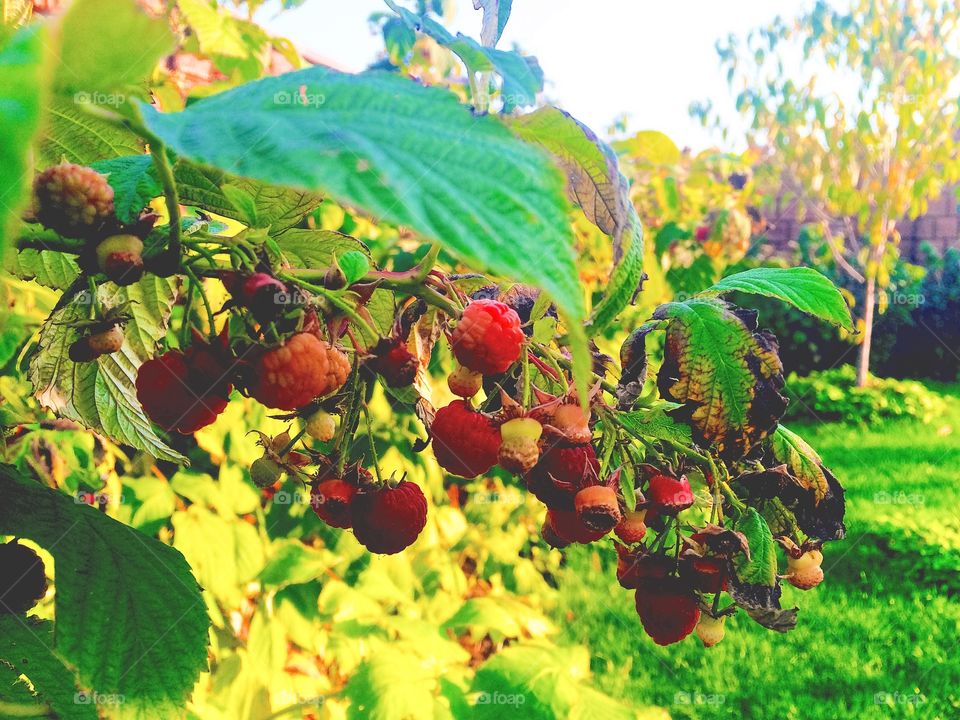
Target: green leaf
[(72, 134), (216, 32), (655, 424), (27, 645), (129, 614), (109, 45), (49, 268), (21, 88), (594, 182), (801, 460), (499, 617), (761, 567), (274, 207), (134, 182), (101, 394), (805, 288), (317, 249), (354, 264), (294, 563), (407, 154), (726, 375), (393, 685), (224, 553), (522, 76), (652, 146)]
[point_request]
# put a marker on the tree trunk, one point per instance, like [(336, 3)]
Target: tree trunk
[(869, 306)]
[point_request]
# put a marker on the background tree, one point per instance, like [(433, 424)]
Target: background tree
[(856, 115)]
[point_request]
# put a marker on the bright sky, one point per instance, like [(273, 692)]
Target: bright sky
[(647, 59)]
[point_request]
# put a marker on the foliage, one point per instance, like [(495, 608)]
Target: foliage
[(833, 395), (227, 245)]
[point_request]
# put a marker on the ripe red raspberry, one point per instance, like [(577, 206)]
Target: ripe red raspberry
[(73, 200), (386, 520), (568, 527), (185, 390), (23, 581), (561, 472), (488, 337), (598, 508), (120, 258), (303, 368), (632, 528), (668, 609), (465, 442), (519, 449), (332, 501), (670, 495), (393, 360)]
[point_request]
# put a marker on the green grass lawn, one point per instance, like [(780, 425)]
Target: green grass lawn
[(878, 639)]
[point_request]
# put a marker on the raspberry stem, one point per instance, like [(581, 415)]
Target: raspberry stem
[(158, 152), (373, 447), (203, 296)]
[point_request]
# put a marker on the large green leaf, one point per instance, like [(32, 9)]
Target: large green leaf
[(522, 76), (21, 88), (108, 46), (805, 288), (394, 685), (27, 645), (725, 373), (595, 183), (50, 268), (761, 567), (316, 249), (408, 154), (129, 614), (75, 135), (101, 394), (274, 207)]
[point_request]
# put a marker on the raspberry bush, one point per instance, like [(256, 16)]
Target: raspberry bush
[(210, 293)]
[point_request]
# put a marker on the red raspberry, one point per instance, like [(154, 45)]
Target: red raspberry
[(568, 527), (393, 360), (488, 337), (23, 581), (561, 472), (73, 200), (639, 567), (120, 258), (264, 295), (598, 508), (332, 501), (668, 609), (386, 520), (185, 391), (670, 495), (303, 368), (707, 575), (465, 442)]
